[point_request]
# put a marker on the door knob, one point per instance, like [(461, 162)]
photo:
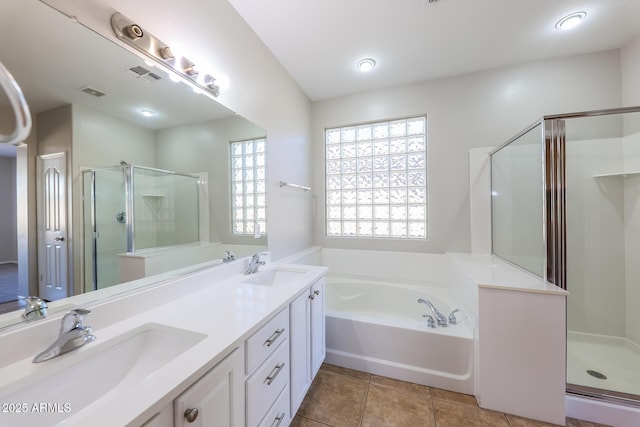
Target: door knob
[(59, 239)]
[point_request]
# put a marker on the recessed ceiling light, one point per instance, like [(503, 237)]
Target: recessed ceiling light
[(366, 64), (570, 21), (147, 113)]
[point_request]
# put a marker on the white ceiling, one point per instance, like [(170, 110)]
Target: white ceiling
[(319, 41)]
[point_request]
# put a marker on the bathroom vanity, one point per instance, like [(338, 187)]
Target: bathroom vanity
[(210, 348)]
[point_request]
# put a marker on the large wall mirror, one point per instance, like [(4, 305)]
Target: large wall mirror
[(120, 157)]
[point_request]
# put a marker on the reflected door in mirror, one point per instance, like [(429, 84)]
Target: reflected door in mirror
[(52, 247)]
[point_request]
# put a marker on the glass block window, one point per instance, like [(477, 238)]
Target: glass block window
[(376, 180), (248, 187)]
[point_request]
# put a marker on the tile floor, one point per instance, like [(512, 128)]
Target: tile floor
[(342, 397)]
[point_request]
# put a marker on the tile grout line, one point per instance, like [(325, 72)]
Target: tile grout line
[(364, 404)]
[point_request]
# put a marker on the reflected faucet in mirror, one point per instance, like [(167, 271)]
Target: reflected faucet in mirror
[(190, 133), (36, 309)]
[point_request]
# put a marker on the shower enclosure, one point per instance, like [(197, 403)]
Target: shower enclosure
[(131, 208), (566, 207)]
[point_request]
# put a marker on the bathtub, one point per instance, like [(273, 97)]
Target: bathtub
[(377, 326)]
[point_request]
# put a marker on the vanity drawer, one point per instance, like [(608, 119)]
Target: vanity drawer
[(278, 415), (261, 344), (266, 384)]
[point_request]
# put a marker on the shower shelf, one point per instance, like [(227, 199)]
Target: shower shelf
[(620, 174)]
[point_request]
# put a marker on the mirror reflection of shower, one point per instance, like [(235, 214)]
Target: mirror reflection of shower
[(128, 209)]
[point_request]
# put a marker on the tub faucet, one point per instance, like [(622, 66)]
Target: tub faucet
[(440, 318), (73, 334), (253, 265)]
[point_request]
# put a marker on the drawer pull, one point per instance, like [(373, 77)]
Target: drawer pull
[(278, 420), (274, 337), (272, 376), (191, 414)]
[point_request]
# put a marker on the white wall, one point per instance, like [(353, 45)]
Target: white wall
[(475, 110), (630, 60), (259, 89)]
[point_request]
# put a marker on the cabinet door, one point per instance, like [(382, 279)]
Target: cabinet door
[(299, 335), (216, 399), (318, 342), (163, 418)]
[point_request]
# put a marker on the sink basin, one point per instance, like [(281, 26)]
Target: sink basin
[(72, 383), (273, 277)]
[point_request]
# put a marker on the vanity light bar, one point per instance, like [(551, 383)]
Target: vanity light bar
[(132, 34)]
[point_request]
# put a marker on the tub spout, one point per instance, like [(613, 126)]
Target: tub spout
[(440, 318)]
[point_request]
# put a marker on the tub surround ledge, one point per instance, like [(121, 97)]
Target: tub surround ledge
[(521, 339)]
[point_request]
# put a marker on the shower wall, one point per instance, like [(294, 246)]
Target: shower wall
[(603, 224), (166, 209), (595, 237), (631, 149)]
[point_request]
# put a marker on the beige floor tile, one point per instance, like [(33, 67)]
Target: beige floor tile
[(392, 407), (334, 399), (526, 422), (451, 396), (449, 414), (298, 421), (359, 375), (401, 385)]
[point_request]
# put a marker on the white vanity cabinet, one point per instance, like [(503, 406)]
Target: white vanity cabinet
[(267, 367), (163, 418), (216, 399), (307, 336)]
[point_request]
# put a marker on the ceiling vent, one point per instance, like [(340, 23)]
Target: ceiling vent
[(92, 91), (140, 71)]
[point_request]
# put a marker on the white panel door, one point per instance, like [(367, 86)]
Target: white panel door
[(52, 226)]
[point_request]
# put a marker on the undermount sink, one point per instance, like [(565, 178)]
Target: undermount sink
[(76, 381), (273, 276)]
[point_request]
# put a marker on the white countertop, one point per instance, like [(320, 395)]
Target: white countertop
[(226, 311), (489, 271)]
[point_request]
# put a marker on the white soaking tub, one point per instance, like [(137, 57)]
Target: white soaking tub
[(377, 326)]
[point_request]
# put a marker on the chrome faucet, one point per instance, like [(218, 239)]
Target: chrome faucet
[(73, 334), (253, 265), (36, 308), (440, 318), (228, 256)]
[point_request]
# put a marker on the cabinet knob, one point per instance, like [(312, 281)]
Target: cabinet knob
[(316, 292), (191, 414), (312, 296)]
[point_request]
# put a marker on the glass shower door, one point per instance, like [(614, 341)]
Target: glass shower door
[(105, 225), (602, 252)]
